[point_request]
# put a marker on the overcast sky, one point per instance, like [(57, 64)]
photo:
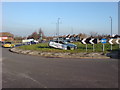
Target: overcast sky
[(23, 18)]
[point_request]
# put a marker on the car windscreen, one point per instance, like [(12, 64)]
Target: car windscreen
[(8, 43), (61, 42)]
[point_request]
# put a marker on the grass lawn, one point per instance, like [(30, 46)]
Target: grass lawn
[(81, 48)]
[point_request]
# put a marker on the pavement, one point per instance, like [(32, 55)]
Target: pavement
[(26, 71)]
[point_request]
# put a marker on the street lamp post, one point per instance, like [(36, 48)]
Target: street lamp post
[(111, 29), (58, 28), (111, 25)]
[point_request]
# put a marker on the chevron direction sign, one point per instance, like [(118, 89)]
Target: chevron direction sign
[(89, 41), (118, 41), (110, 41), (83, 41), (114, 41)]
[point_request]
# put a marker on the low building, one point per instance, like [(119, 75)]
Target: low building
[(6, 36)]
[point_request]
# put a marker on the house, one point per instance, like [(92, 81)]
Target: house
[(4, 36)]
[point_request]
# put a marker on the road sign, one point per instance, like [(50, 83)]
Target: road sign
[(94, 41), (91, 41), (83, 41), (114, 41), (118, 41), (103, 41), (88, 40), (110, 41)]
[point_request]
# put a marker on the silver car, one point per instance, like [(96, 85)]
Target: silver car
[(62, 45)]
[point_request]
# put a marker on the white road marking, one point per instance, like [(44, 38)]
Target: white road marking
[(28, 77)]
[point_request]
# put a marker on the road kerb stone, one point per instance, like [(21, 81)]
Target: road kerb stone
[(60, 55)]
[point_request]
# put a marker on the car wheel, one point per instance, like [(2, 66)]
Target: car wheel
[(68, 48)]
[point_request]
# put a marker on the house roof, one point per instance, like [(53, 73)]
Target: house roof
[(3, 34)]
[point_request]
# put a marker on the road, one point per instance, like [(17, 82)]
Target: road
[(24, 71)]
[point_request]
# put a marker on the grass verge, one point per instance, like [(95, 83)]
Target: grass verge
[(81, 48)]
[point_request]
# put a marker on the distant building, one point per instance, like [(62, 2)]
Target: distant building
[(6, 36)]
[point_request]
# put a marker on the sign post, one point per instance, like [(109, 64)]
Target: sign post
[(86, 47), (84, 42), (118, 42), (93, 48), (92, 42), (103, 47), (110, 41), (111, 47), (103, 41)]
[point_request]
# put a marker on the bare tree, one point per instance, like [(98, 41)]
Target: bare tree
[(41, 35), (93, 34), (34, 35), (82, 35)]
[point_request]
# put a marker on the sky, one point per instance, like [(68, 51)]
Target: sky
[(24, 18)]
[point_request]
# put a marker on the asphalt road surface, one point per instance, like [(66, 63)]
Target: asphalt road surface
[(25, 71)]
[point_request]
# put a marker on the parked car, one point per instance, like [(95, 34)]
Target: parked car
[(62, 45), (34, 42), (29, 41), (18, 45), (8, 44)]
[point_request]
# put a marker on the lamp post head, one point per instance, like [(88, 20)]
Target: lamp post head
[(110, 17)]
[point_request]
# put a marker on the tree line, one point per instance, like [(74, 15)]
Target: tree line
[(39, 36)]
